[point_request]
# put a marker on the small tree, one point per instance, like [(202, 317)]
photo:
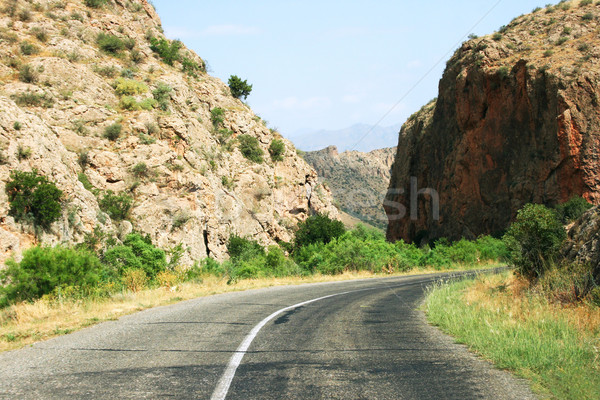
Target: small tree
[(534, 240), (239, 88), (33, 196), (318, 228), (250, 148), (277, 150)]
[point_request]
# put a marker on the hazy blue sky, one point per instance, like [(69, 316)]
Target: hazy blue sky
[(330, 64)]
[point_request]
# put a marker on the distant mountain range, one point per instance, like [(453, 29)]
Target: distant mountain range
[(360, 137)]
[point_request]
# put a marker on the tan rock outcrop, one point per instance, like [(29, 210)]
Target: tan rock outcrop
[(198, 189)]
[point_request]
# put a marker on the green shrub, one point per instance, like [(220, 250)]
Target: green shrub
[(130, 103), (31, 99), (140, 170), (108, 71), (43, 269), (588, 17), (112, 132), (17, 126), (317, 228), (277, 150), (573, 209), (33, 197), (191, 67), (117, 206), (167, 50), (162, 94), (40, 34), (85, 181), (239, 88), (534, 240), (244, 249), (94, 3), (217, 116), (497, 36), (250, 148), (28, 74), (136, 253), (110, 44), (129, 87)]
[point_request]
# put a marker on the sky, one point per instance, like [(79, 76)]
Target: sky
[(329, 64)]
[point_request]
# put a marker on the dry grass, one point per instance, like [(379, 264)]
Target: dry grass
[(556, 346), (27, 323)]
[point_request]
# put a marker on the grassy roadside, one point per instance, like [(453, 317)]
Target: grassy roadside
[(29, 322), (554, 346)]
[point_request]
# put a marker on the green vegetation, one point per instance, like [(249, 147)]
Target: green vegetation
[(573, 209), (167, 50), (17, 126), (112, 132), (250, 148), (534, 240), (162, 95), (588, 17), (318, 229), (110, 44), (28, 74), (217, 116), (522, 332), (136, 253), (28, 49), (117, 206), (94, 3), (31, 99), (130, 103), (129, 87), (44, 270), (191, 67), (32, 197), (277, 150), (239, 88)]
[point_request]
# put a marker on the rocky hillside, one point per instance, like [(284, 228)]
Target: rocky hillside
[(357, 180), (583, 243), (516, 121), (95, 99)]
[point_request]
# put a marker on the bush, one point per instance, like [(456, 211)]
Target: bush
[(28, 49), (110, 44), (573, 209), (33, 197), (94, 3), (250, 148), (112, 132), (191, 67), (117, 206), (134, 280), (136, 253), (244, 249), (317, 228), (277, 150), (168, 51), (30, 99), (534, 240), (239, 88), (28, 74), (43, 269), (217, 116), (162, 94), (129, 87), (140, 170)]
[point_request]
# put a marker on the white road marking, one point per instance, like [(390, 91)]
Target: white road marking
[(225, 382)]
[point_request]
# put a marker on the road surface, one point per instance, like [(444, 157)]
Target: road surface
[(346, 340)]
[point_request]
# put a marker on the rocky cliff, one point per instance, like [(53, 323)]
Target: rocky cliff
[(357, 180), (583, 242), (516, 121), (93, 105)]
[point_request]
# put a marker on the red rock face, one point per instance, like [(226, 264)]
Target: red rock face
[(494, 141)]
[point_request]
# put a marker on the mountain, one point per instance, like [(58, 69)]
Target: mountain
[(359, 137), (357, 180), (96, 100), (516, 121)]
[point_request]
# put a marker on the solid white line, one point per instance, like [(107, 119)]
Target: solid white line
[(225, 382)]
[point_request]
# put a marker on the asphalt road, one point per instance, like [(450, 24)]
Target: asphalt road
[(368, 340)]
